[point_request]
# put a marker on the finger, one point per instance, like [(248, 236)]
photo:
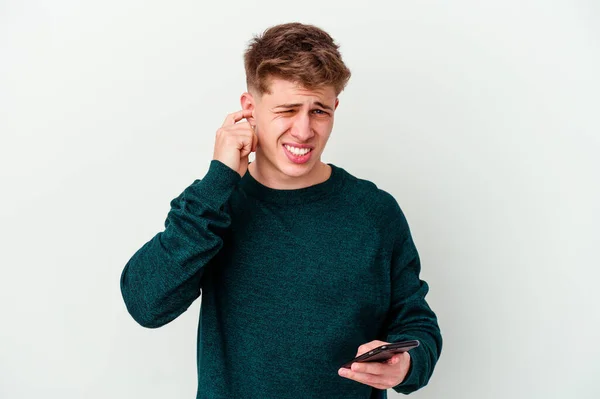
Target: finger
[(238, 127), (237, 116), (395, 359), (237, 131), (244, 131), (369, 367), (368, 379), (245, 145), (254, 140)]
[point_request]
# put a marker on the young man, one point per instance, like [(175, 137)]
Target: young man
[(301, 265)]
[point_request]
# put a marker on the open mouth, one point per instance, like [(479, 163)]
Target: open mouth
[(297, 155)]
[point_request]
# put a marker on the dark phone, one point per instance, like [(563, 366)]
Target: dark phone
[(384, 352)]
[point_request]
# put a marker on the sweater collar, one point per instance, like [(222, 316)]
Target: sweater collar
[(318, 191)]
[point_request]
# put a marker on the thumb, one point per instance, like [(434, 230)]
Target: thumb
[(243, 166), (254, 139)]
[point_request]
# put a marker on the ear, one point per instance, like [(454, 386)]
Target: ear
[(337, 102), (248, 103)]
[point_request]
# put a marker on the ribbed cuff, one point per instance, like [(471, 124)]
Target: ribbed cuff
[(412, 381), (216, 186)]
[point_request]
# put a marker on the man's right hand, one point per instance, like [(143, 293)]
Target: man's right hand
[(235, 141)]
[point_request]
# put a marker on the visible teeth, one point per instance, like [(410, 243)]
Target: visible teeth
[(297, 151)]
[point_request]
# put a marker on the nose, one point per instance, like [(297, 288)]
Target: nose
[(301, 129)]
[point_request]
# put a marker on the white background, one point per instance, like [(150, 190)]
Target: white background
[(481, 118)]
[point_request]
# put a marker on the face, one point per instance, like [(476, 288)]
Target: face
[(294, 116)]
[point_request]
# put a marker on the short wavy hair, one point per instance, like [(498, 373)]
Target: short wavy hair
[(301, 53)]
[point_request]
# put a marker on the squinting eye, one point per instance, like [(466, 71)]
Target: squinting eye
[(321, 111)]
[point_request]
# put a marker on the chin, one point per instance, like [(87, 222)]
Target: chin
[(296, 170)]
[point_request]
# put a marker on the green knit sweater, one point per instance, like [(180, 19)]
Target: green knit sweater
[(292, 283)]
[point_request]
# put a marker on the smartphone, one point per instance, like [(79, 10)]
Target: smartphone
[(384, 352)]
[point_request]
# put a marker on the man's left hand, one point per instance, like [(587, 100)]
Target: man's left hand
[(380, 375)]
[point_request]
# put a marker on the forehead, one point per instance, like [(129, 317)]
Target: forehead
[(285, 90)]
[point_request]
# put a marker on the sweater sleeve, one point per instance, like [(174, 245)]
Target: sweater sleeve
[(410, 316), (162, 278)]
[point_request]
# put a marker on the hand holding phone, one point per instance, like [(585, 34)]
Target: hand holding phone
[(384, 352)]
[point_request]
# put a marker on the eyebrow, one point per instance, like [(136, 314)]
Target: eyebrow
[(320, 104)]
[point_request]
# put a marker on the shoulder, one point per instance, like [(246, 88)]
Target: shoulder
[(373, 199)]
